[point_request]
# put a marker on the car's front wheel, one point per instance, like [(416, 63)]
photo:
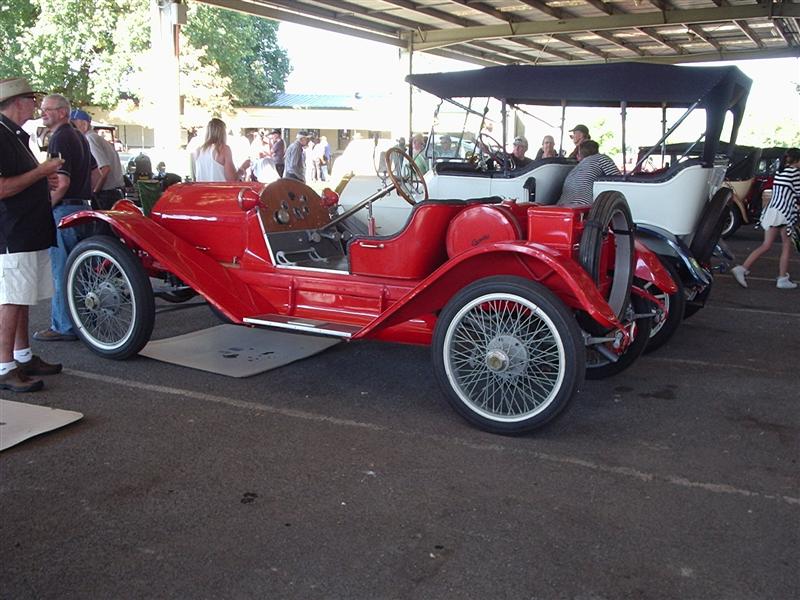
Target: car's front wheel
[(110, 298), (508, 354)]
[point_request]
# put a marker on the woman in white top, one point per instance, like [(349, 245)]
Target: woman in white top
[(213, 161)]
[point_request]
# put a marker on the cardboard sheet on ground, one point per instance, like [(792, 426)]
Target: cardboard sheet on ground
[(20, 421), (236, 351)]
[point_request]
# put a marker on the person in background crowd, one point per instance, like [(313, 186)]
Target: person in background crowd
[(578, 134), (591, 166), (324, 154), (213, 160), (780, 215), (295, 157), (518, 152), (308, 157), (418, 152), (27, 230), (445, 149), (548, 149), (277, 151), (72, 193), (110, 186), (161, 171)]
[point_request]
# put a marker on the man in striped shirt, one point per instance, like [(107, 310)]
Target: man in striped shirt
[(578, 184)]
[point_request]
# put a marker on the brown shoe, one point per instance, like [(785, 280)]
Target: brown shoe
[(36, 366), (48, 335), (17, 381)]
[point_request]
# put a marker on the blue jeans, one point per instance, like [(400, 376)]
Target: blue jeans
[(67, 240)]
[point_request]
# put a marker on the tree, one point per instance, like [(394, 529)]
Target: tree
[(92, 52), (256, 66)]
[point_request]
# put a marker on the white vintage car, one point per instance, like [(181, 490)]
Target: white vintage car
[(678, 211)]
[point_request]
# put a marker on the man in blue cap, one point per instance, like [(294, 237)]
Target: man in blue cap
[(109, 186)]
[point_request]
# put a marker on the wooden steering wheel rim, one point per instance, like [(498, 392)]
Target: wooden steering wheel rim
[(417, 173)]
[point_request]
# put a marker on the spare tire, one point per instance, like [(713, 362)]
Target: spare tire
[(610, 213), (709, 228)]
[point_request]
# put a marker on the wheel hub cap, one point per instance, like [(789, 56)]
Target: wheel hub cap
[(506, 356)]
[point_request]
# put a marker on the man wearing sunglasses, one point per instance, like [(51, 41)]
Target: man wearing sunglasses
[(578, 135), (27, 230), (72, 193)]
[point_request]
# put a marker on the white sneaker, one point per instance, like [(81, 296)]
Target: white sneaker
[(739, 273), (785, 283)]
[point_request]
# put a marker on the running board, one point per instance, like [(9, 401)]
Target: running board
[(341, 330)]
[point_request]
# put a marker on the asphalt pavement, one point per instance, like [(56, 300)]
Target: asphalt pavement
[(347, 476)]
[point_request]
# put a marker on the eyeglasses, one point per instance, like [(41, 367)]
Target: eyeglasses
[(52, 108)]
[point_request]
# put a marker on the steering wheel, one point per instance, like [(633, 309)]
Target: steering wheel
[(406, 176), (495, 151)]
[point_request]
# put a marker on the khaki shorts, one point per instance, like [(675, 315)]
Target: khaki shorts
[(25, 278)]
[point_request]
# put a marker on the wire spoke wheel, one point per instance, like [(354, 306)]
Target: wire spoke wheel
[(110, 298), (507, 356)]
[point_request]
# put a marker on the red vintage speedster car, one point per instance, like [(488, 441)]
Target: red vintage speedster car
[(510, 295)]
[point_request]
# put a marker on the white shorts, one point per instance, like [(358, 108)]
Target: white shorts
[(25, 278), (772, 217)]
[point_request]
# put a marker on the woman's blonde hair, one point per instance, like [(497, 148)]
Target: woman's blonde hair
[(216, 135)]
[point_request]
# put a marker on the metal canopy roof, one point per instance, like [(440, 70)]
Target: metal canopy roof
[(502, 32)]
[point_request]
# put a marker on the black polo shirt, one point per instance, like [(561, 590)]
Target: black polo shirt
[(26, 220), (71, 145)]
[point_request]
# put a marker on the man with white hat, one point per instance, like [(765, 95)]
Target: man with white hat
[(27, 230), (295, 157), (109, 186)]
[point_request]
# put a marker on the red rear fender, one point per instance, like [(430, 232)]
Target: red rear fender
[(204, 274), (561, 275)]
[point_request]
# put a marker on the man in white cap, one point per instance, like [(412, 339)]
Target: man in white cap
[(27, 230), (109, 186), (518, 152), (295, 157)]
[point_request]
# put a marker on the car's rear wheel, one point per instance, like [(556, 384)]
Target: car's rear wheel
[(732, 220), (665, 326), (600, 366), (507, 354), (110, 297)]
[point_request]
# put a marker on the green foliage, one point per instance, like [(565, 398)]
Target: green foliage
[(16, 16), (244, 48), (96, 52)]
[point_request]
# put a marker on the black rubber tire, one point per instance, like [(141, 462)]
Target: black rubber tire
[(610, 211), (709, 228), (732, 220), (698, 303), (176, 295), (600, 367), (107, 285), (676, 305), (534, 320)]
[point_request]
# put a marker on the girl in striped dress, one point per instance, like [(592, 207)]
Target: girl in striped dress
[(781, 215)]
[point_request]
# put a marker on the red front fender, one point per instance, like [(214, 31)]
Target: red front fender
[(566, 278), (197, 270), (650, 269)]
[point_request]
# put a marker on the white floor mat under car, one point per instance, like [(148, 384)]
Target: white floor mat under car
[(236, 351), (20, 421)]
